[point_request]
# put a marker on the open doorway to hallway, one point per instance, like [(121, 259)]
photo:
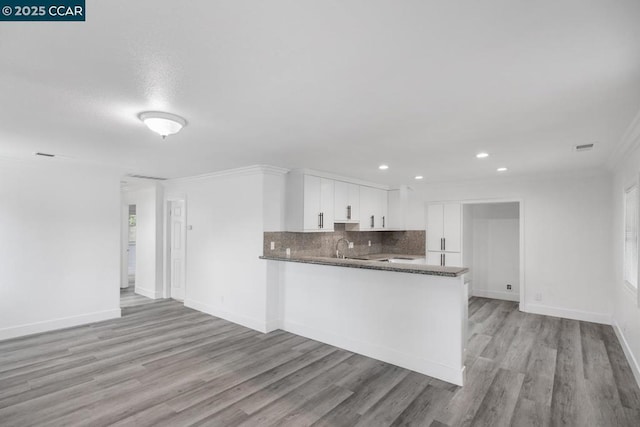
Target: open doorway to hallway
[(131, 247), (492, 249)]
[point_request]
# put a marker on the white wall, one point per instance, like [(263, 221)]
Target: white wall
[(228, 213), (149, 237), (567, 229), (59, 246), (493, 237), (626, 314)]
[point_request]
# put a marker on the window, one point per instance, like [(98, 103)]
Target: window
[(631, 236)]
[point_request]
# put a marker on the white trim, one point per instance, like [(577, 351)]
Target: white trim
[(627, 143), (446, 373), (249, 322), (147, 293), (566, 313), (342, 178), (61, 323), (509, 296), (243, 171), (633, 363)]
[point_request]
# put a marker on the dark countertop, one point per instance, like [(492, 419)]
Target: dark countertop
[(372, 263)]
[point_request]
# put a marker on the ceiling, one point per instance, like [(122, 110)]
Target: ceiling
[(330, 85)]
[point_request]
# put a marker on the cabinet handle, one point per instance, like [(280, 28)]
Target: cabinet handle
[(373, 221), (441, 243), (383, 222), (444, 260), (444, 243), (349, 212), (321, 219), (441, 260)]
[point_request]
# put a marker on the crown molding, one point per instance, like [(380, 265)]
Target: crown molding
[(336, 177), (243, 171), (629, 142)]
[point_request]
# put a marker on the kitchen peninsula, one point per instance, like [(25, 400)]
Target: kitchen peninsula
[(410, 315)]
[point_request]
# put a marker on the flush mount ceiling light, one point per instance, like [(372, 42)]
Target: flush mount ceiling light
[(164, 124), (503, 169), (383, 167), (419, 177), (482, 155)]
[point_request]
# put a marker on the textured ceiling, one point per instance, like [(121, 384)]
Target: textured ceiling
[(330, 85)]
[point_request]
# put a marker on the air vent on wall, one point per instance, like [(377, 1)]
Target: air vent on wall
[(147, 177), (583, 147)]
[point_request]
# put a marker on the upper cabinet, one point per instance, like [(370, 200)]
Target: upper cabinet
[(373, 209), (314, 203), (444, 227), (346, 202), (310, 203)]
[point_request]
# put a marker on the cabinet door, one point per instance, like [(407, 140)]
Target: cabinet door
[(311, 201), (382, 222), (452, 259), (434, 258), (368, 203), (354, 201), (326, 203), (435, 227), (452, 231), (341, 201)]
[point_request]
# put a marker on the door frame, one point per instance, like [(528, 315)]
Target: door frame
[(167, 246), (124, 244)]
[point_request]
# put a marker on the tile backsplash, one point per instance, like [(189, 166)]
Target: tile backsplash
[(410, 242)]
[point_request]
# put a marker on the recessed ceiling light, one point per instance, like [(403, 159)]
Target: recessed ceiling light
[(503, 169), (164, 124), (482, 155), (419, 177), (383, 167)]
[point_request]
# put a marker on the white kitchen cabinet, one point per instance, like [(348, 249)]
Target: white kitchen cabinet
[(383, 210), (448, 259), (444, 227), (373, 209), (310, 204), (346, 202)]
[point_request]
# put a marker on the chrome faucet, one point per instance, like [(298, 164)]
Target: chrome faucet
[(338, 243)]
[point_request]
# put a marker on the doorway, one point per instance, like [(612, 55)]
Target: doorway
[(131, 246), (492, 249)]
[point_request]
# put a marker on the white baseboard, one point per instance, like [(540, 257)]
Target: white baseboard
[(61, 323), (509, 296), (633, 362), (246, 321), (566, 313), (424, 366), (147, 293)]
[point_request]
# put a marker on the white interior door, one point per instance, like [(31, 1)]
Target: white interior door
[(178, 250)]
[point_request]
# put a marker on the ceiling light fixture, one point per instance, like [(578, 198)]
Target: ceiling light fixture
[(164, 124), (383, 167), (482, 155), (503, 169), (419, 177)]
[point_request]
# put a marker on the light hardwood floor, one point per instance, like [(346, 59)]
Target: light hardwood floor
[(165, 365)]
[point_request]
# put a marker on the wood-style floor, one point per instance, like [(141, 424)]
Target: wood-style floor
[(129, 298), (165, 365)]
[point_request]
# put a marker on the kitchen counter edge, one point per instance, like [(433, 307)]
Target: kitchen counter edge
[(431, 270)]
